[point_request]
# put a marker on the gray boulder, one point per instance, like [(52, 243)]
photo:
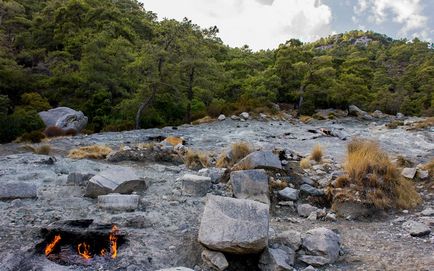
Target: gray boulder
[(118, 202), (120, 180), (78, 179), (277, 259), (355, 111), (310, 190), (288, 193), (234, 225), (322, 243), (215, 260), (260, 159), (305, 210), (195, 185), (17, 190), (216, 174), (221, 117), (289, 238), (416, 229), (250, 184), (409, 173), (64, 117), (244, 115)]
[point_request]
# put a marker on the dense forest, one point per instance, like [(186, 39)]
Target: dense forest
[(113, 59)]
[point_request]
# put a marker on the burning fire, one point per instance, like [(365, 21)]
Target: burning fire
[(83, 250), (102, 253), (113, 241), (49, 248)]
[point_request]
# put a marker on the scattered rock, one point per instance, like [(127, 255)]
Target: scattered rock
[(428, 212), (416, 229), (288, 238), (400, 116), (244, 115), (221, 117), (195, 185), (64, 117), (310, 190), (233, 117), (305, 210), (321, 245), (422, 174), (17, 190), (313, 216), (215, 260), (216, 174), (307, 180), (378, 114), (351, 209), (115, 180), (355, 111), (288, 193), (409, 173), (277, 259), (118, 202), (250, 184), (260, 159), (78, 179), (234, 225), (176, 269)]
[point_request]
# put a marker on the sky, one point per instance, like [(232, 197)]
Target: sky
[(264, 24)]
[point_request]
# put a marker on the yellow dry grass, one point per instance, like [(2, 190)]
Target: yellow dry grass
[(374, 178), (429, 122), (43, 149), (90, 152), (173, 140), (305, 163), (316, 153), (238, 151), (194, 159), (306, 119), (203, 120)]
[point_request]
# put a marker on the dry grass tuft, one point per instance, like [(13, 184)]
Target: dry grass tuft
[(90, 152), (373, 179), (430, 167), (237, 152), (43, 149), (173, 140), (316, 153), (306, 119), (305, 163), (423, 124), (196, 159), (203, 120)]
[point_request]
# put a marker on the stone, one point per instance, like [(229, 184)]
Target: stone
[(221, 117), (310, 268), (118, 202), (244, 115), (330, 217), (359, 113), (289, 238), (234, 225), (233, 117), (314, 260), (78, 179), (378, 114), (416, 229), (115, 180), (310, 190), (305, 210), (215, 260), (422, 174), (313, 216), (288, 193), (64, 117), (351, 209), (277, 259), (307, 180), (216, 174), (400, 116), (250, 184), (428, 212), (18, 190), (260, 159), (176, 269), (321, 242), (195, 185), (409, 173)]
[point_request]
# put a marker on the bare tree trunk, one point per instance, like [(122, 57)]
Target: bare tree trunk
[(143, 106), (190, 93)]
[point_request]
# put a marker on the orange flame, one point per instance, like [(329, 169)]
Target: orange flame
[(113, 241), (83, 250), (49, 248), (102, 253)]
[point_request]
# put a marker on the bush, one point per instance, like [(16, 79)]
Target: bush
[(237, 152), (91, 152), (316, 153), (305, 163), (196, 159)]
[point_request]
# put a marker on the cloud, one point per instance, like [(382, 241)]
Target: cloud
[(407, 13), (262, 24)]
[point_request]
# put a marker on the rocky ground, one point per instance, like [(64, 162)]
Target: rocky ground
[(163, 229)]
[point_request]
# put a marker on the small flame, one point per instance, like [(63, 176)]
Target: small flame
[(49, 248), (103, 251), (113, 241), (83, 250)]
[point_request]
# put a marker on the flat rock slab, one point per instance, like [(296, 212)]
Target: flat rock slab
[(260, 159), (118, 202), (215, 260), (115, 180), (64, 117), (250, 184), (409, 172), (321, 242), (234, 225), (288, 193), (195, 185), (277, 259), (305, 210), (17, 190), (416, 229)]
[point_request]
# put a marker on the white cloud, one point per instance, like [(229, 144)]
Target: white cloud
[(261, 24), (407, 13)]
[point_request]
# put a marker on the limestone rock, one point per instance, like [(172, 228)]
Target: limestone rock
[(305, 210), (195, 185), (289, 238), (78, 179), (409, 173), (288, 193), (215, 260), (18, 190), (250, 184), (221, 117), (428, 212), (216, 174), (416, 229), (115, 180), (422, 174), (119, 202), (321, 242), (355, 111), (244, 115), (260, 159), (277, 259), (310, 190), (64, 117), (234, 225)]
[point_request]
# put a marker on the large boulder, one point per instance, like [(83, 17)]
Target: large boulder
[(195, 185), (65, 118), (277, 259), (18, 190), (250, 184), (234, 225), (359, 113), (259, 159), (322, 246), (416, 229), (115, 180), (215, 260)]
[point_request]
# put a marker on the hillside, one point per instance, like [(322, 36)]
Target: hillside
[(110, 58)]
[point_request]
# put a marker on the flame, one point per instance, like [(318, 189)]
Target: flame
[(49, 248), (83, 250), (103, 251), (113, 241)]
